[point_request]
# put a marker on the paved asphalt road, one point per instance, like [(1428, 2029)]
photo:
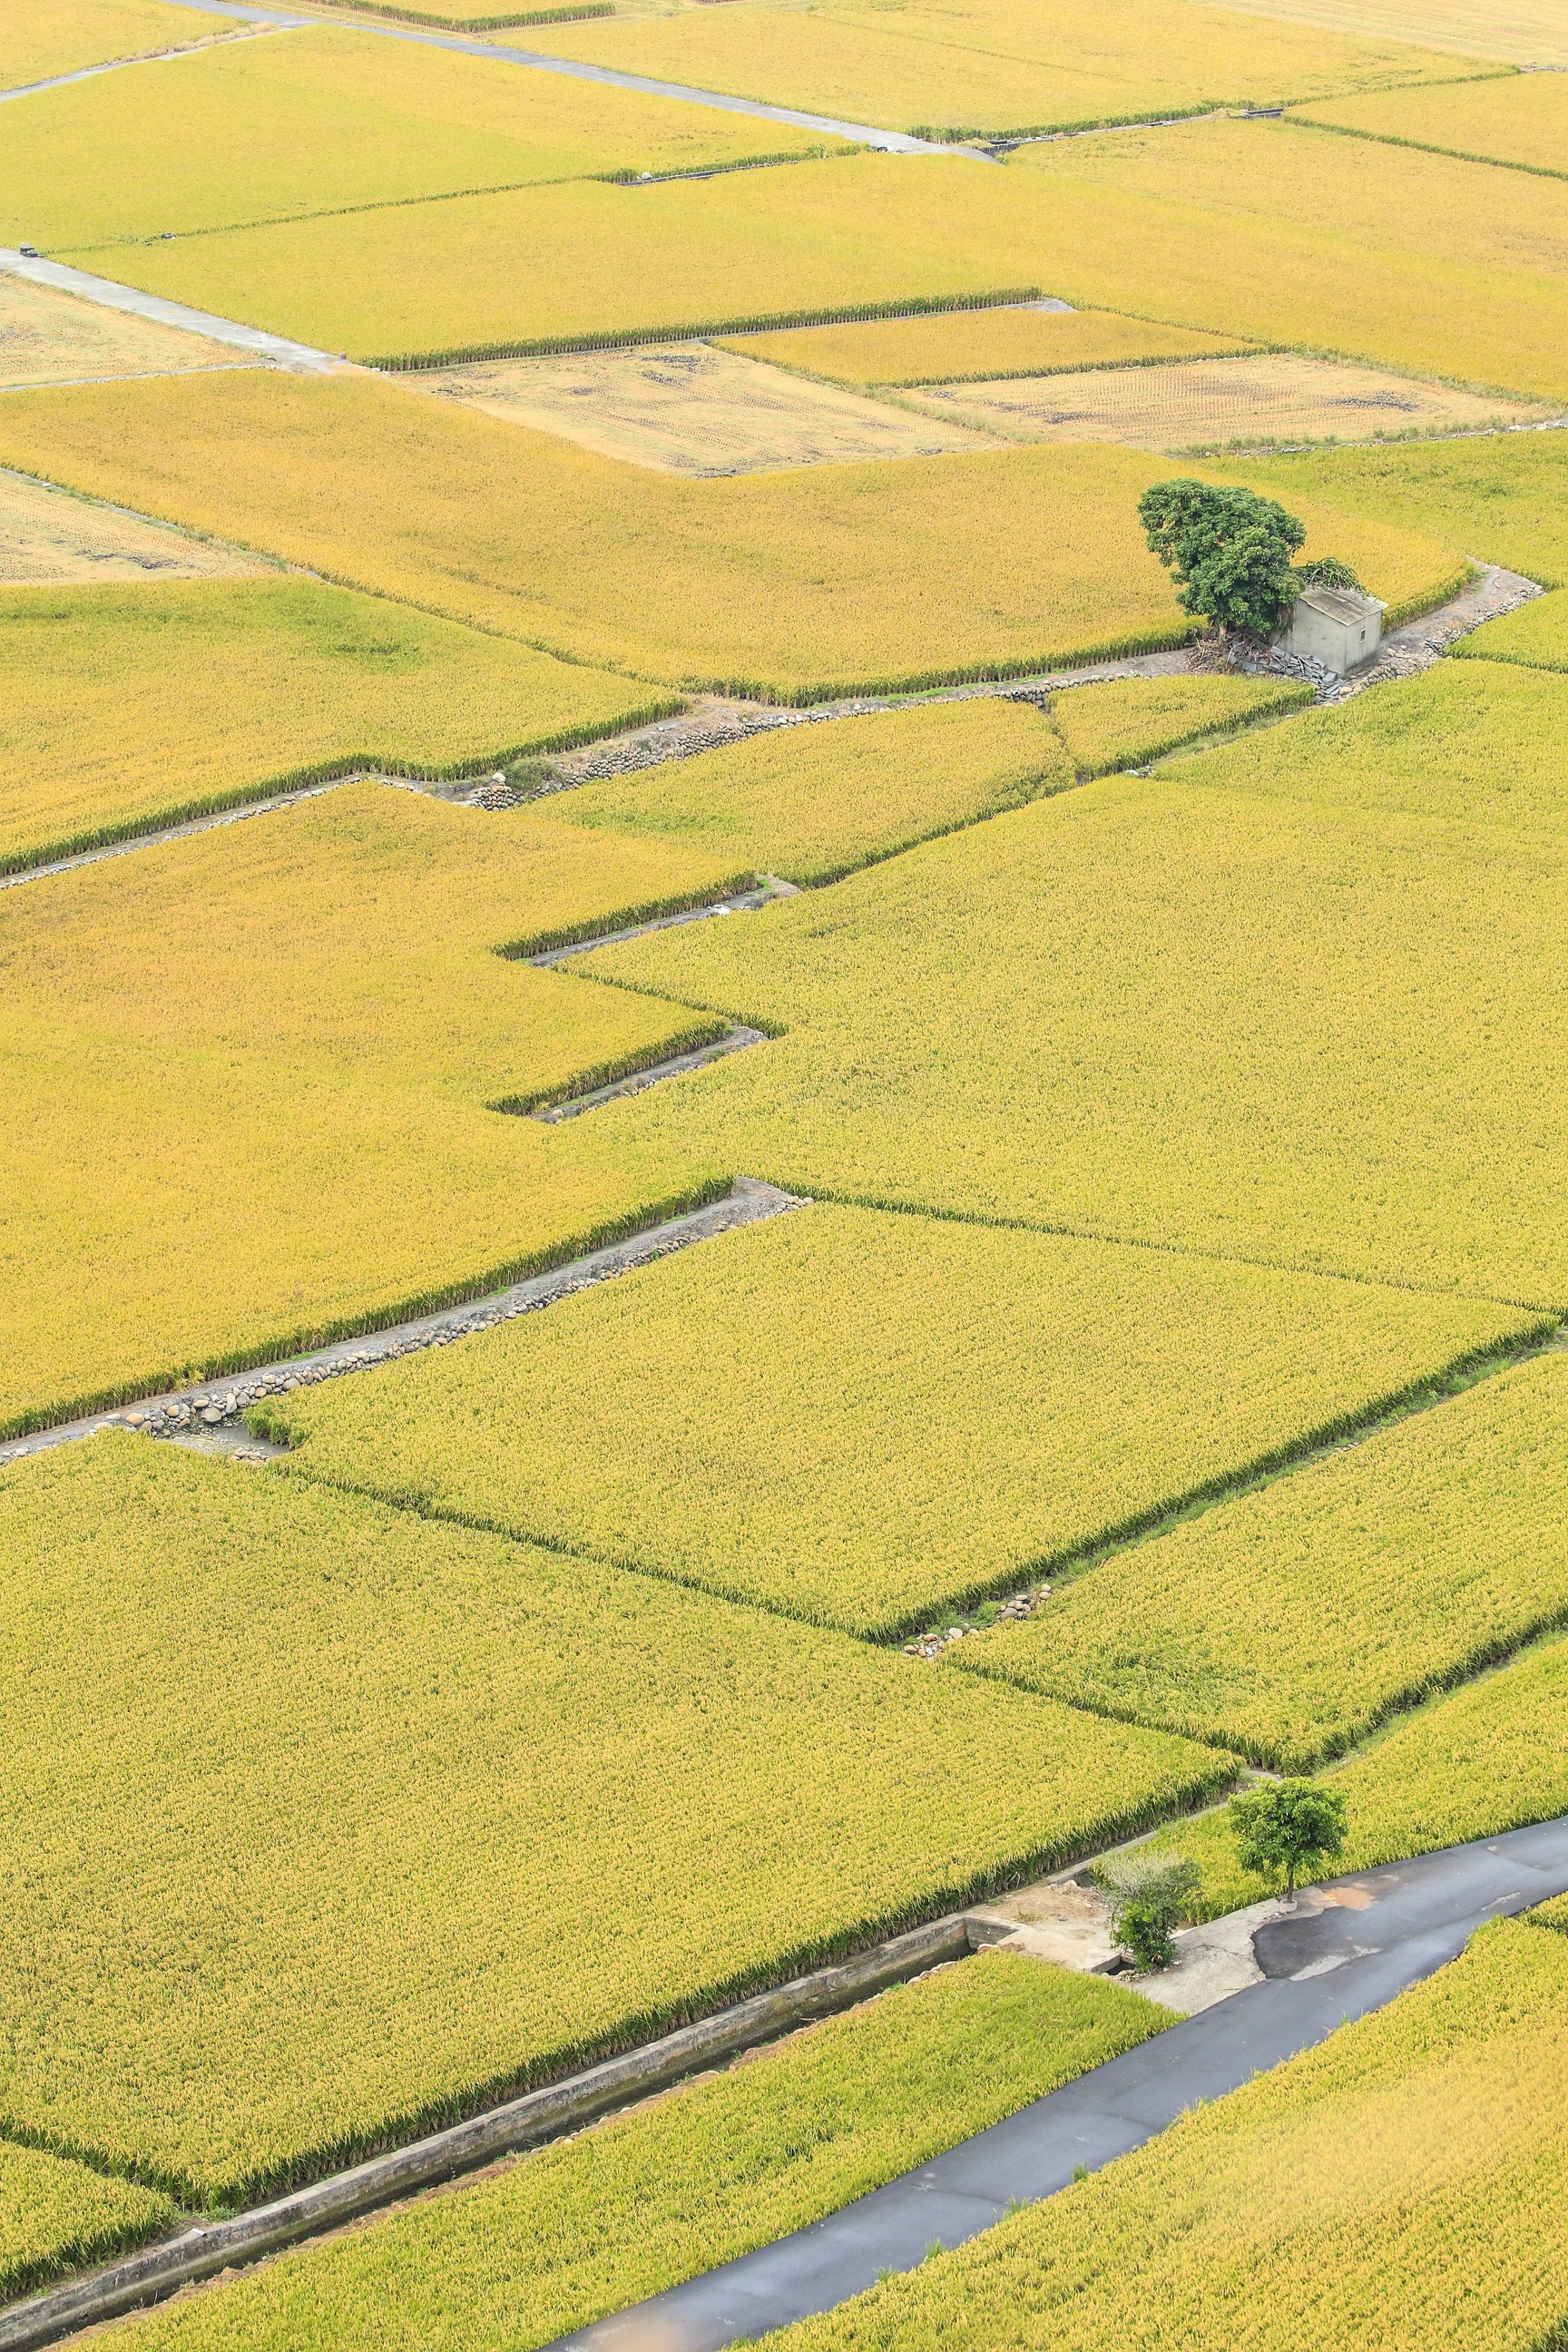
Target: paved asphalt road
[(1334, 1959)]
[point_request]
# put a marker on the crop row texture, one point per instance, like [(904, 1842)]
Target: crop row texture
[(1517, 118), (594, 2225), (976, 345), (56, 2215), (1402, 2187), (860, 1418), (333, 1824), (1288, 1622)]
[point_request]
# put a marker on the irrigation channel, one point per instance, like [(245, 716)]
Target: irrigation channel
[(1345, 1949)]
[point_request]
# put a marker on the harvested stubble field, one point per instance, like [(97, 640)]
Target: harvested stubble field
[(1225, 404), (320, 121), (282, 1763), (687, 409), (49, 338), (123, 708), (859, 1418), (47, 537), (637, 2204), (1484, 743), (1281, 234), (1286, 1623), (1406, 2184), (1121, 722), (812, 803), (1490, 1756), (1513, 32), (42, 37), (992, 66), (57, 2215), (1140, 1009), (247, 1075), (1521, 119), (963, 346), (799, 585)]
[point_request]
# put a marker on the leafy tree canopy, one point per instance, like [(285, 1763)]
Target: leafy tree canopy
[(1230, 550)]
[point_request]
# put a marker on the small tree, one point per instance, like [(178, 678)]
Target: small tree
[(1147, 1893), (1288, 1826), (1327, 571), (1230, 551)]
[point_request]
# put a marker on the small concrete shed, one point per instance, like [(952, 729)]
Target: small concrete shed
[(1337, 626)]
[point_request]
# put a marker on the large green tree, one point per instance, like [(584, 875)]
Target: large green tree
[(1230, 550), (1286, 1827)]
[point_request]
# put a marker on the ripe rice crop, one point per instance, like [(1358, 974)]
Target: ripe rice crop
[(992, 66), (1518, 32), (861, 1419), (1121, 722), (1490, 1756), (252, 1081), (457, 16), (1406, 2182), (329, 119), (1519, 119), (1277, 233), (811, 802), (280, 1765), (56, 2215), (1222, 404), (49, 338), (1478, 743), (43, 38), (1289, 1622), (1533, 636), (800, 585), (964, 346), (676, 2186), (122, 709), (1140, 1009)]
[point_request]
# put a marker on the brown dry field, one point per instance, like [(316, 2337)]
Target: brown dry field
[(1204, 404), (50, 539), (686, 408), (49, 338)]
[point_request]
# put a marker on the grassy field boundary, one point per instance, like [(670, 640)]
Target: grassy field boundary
[(352, 767), (564, 15), (616, 339), (1426, 146)]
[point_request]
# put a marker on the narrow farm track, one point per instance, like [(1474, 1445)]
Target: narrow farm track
[(1349, 1948), (278, 350)]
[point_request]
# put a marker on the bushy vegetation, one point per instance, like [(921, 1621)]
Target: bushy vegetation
[(1406, 2182), (331, 1823)]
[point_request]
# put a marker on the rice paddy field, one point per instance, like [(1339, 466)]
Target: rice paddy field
[(326, 119), (1406, 2180), (578, 649), (953, 1465), (372, 1726), (127, 708), (800, 584), (1382, 1572)]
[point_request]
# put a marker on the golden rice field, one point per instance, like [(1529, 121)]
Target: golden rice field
[(56, 2215), (963, 346), (128, 707), (861, 1419), (1512, 32), (633, 2205), (813, 801), (1521, 119), (42, 37), (1490, 1756), (254, 1084), (1533, 636), (1120, 722), (279, 1762), (1140, 1010), (1223, 404), (321, 119), (49, 338), (1275, 232), (990, 66), (1286, 1623), (1406, 2184), (801, 584), (47, 537), (122, 709), (1482, 743), (686, 408)]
